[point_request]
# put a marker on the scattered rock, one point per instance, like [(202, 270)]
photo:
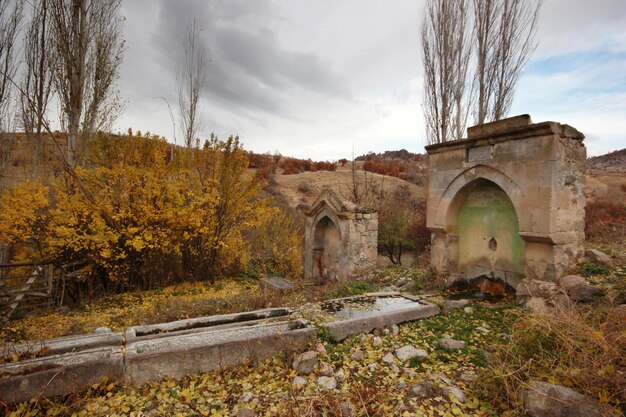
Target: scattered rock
[(482, 330), (64, 310), (340, 375), (246, 412), (372, 367), (468, 310), (409, 352), (102, 330), (394, 367), (469, 378), (388, 358), (570, 281), (451, 344), (327, 382), (386, 331), (401, 384), (325, 369), (453, 304), (425, 389), (441, 377), (537, 305), (599, 257), (547, 400), (401, 282), (377, 341), (347, 409), (246, 397), (319, 348), (410, 373), (584, 293), (357, 355), (299, 381), (455, 392), (536, 288), (306, 362), (395, 329)]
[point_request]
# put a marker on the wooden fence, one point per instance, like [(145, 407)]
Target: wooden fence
[(26, 287)]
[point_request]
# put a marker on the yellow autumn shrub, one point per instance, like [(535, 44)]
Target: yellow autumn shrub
[(145, 214)]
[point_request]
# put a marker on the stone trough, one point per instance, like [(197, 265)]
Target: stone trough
[(151, 353)]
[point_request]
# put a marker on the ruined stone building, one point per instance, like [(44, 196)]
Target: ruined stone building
[(340, 239), (508, 201)]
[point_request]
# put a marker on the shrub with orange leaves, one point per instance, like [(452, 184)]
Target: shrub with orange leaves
[(147, 214)]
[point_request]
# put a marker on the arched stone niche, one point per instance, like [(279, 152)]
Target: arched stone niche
[(508, 201), (340, 239)]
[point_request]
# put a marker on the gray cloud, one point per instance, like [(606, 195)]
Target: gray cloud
[(249, 69), (317, 78)]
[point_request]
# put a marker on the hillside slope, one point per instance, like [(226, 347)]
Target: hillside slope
[(300, 190)]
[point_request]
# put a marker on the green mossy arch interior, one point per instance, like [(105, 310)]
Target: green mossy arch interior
[(488, 231)]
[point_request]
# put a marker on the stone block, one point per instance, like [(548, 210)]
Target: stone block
[(499, 127), (177, 356), (542, 399), (65, 344), (60, 374), (218, 322)]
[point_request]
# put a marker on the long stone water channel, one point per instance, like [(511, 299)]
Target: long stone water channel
[(149, 353)]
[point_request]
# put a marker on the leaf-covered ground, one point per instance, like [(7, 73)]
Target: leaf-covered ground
[(371, 387), (181, 301)]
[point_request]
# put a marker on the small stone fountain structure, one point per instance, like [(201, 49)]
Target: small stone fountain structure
[(508, 201), (340, 239)]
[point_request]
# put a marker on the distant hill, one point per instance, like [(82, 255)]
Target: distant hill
[(401, 164), (613, 161), (401, 155)]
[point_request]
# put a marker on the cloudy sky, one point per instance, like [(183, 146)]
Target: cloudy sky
[(319, 79)]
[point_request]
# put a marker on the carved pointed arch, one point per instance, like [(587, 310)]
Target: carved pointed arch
[(453, 195)]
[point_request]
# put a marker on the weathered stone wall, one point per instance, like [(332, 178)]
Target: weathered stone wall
[(340, 240), (363, 242), (541, 169)]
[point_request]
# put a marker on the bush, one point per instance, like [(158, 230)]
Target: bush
[(589, 268), (605, 220), (146, 215)]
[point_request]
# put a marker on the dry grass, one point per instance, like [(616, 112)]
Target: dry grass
[(583, 349), (339, 181)]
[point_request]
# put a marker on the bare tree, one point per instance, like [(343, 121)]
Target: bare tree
[(515, 45), (191, 77), (505, 37), (88, 50), (446, 54), (10, 18), (364, 190), (485, 27), (37, 78)]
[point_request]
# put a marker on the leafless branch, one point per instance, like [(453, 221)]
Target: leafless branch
[(191, 77), (88, 50), (446, 53), (10, 18), (505, 37), (36, 78)]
